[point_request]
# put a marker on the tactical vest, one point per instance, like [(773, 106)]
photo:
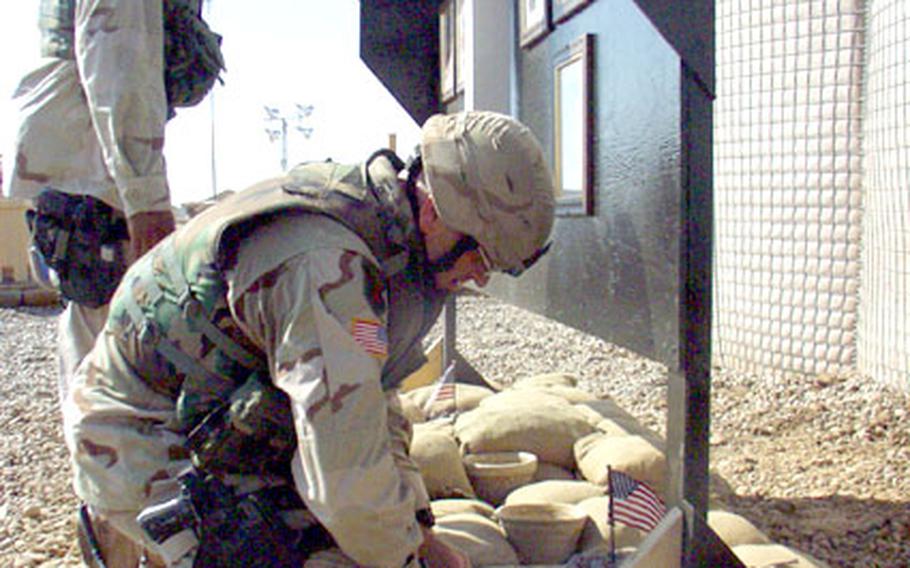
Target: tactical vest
[(189, 348), (192, 52)]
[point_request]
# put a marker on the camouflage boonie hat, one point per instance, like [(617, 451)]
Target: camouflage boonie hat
[(489, 179)]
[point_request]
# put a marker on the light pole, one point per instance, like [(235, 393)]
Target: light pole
[(277, 126), (214, 169)]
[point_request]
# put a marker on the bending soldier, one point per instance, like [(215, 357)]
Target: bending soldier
[(244, 384)]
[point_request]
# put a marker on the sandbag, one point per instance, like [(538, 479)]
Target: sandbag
[(437, 456), (613, 428), (444, 426), (548, 380), (632, 455), (555, 491), (620, 420), (597, 533), (551, 471), (466, 398), (480, 538), (411, 411), (444, 507), (734, 529), (572, 395), (548, 432), (775, 555), (515, 398)]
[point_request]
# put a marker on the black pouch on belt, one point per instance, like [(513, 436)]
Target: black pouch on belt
[(84, 240)]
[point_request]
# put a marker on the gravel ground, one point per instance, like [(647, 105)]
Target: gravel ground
[(818, 463)]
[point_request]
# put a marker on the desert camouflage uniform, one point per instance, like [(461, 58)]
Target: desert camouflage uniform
[(294, 292)]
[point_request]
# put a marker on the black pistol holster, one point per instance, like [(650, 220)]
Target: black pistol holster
[(84, 240)]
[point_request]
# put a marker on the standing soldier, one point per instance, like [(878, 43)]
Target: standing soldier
[(88, 149), (241, 399)]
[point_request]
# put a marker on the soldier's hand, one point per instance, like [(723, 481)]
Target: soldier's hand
[(437, 554), (146, 229)]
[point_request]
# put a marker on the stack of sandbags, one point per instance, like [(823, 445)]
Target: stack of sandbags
[(574, 436)]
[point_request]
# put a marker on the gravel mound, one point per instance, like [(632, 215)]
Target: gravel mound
[(818, 463)]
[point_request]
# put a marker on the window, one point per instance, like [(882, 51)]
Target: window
[(572, 119), (447, 50)]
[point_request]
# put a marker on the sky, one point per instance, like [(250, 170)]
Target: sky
[(278, 54)]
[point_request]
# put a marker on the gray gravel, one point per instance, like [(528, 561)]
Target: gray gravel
[(818, 463)]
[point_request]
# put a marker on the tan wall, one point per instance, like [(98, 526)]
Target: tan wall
[(13, 242)]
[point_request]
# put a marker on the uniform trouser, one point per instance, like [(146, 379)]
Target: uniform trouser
[(77, 328)]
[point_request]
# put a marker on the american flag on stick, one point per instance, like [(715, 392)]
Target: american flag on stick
[(633, 502), (444, 391)]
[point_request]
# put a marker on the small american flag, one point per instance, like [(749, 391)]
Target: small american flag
[(371, 335), (444, 391), (634, 503)]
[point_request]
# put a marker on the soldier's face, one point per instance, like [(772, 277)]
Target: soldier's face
[(470, 267), (440, 240)]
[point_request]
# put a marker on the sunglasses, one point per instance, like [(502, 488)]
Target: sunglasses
[(518, 270)]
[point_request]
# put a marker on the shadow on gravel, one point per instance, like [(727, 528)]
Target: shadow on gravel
[(839, 530)]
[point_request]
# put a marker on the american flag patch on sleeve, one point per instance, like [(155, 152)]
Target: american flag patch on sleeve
[(371, 335)]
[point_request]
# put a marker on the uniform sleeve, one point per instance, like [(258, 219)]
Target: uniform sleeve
[(321, 317), (120, 56)]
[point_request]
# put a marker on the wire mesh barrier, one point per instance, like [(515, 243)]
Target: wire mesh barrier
[(811, 239), (884, 317)]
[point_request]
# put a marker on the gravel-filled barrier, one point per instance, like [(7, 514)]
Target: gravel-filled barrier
[(816, 463)]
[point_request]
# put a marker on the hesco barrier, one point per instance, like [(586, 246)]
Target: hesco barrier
[(812, 188)]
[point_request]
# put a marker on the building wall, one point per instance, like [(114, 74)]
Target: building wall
[(788, 184), (615, 273), (884, 330)]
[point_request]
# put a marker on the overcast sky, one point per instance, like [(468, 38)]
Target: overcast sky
[(278, 53)]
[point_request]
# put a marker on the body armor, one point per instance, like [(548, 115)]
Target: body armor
[(188, 346)]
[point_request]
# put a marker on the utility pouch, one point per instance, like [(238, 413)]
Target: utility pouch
[(84, 241), (252, 432)]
